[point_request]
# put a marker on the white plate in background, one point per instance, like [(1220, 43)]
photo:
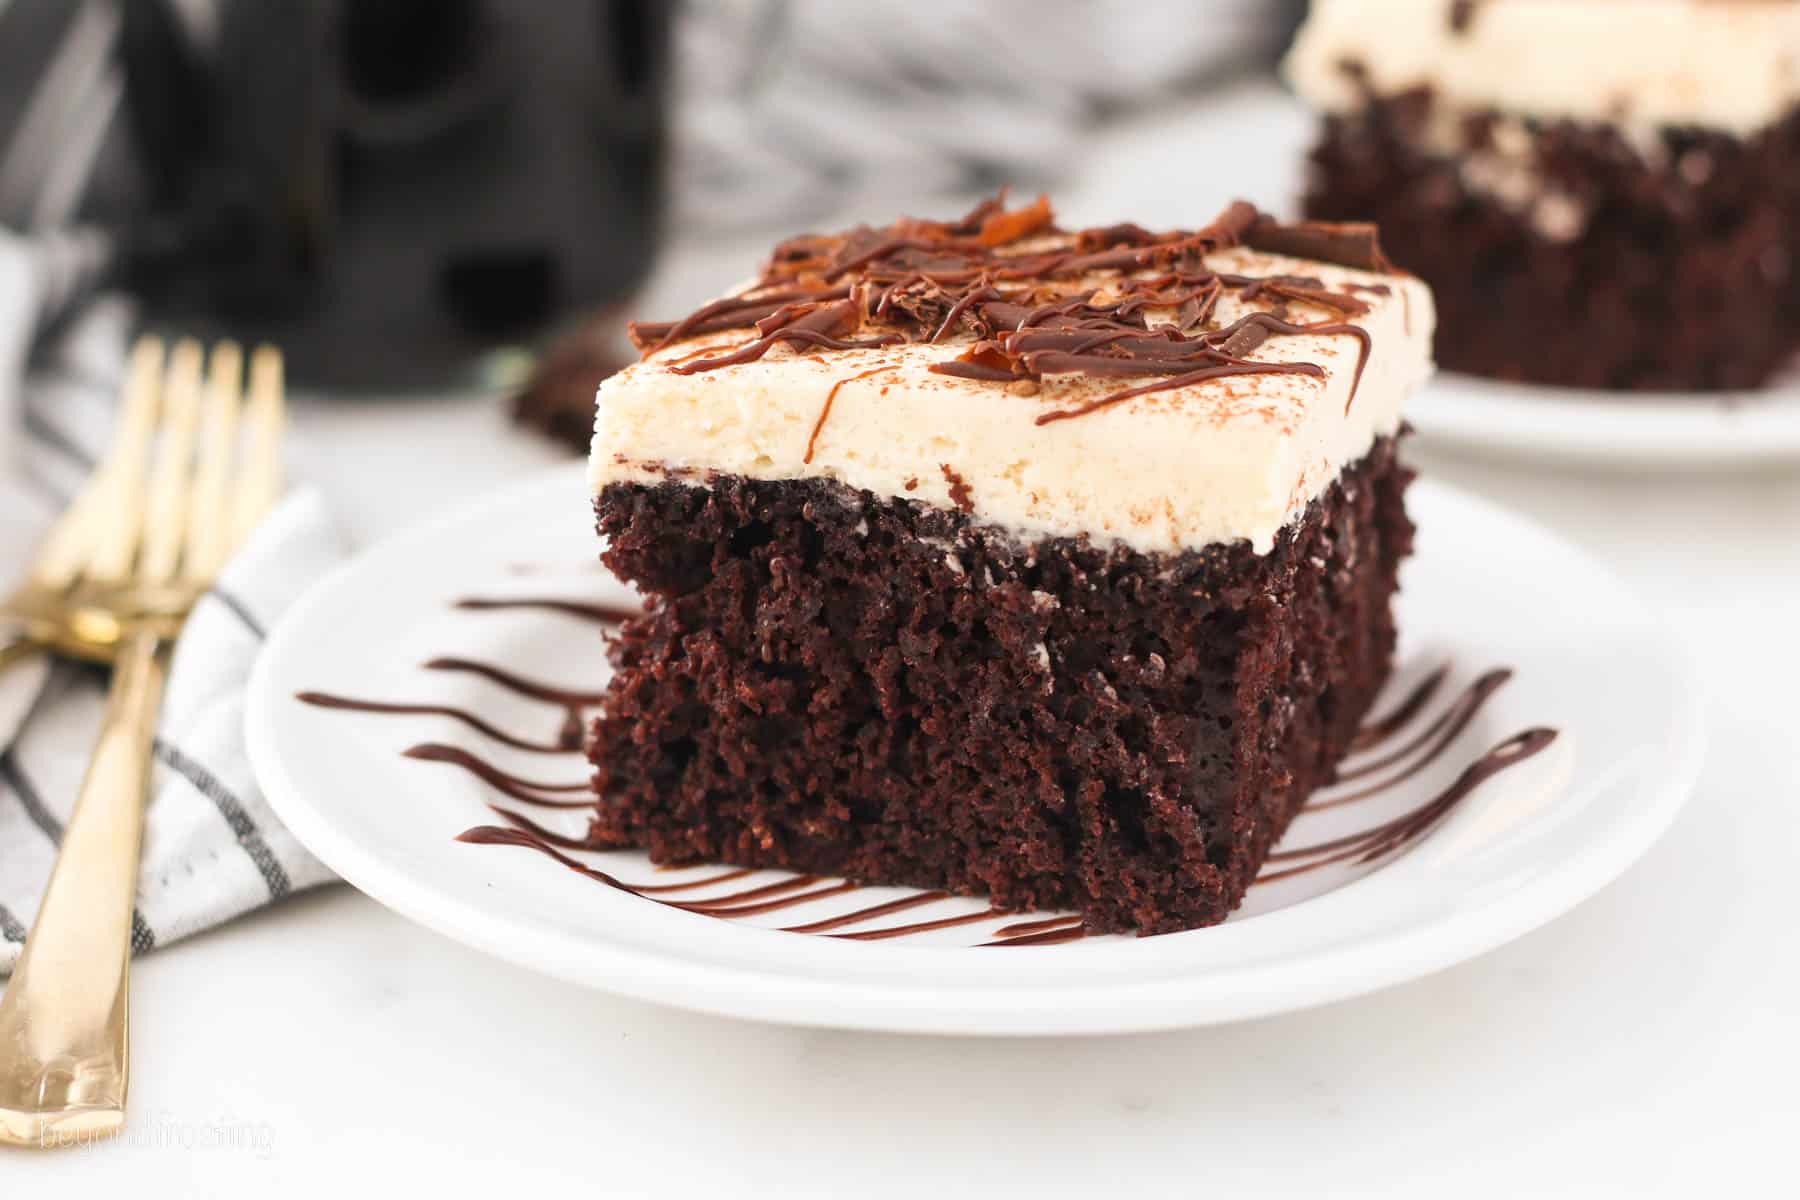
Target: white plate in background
[(1624, 429)]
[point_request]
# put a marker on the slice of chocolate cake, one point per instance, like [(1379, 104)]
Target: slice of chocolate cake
[(986, 556), (1601, 194)]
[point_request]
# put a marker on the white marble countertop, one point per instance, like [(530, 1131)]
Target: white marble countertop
[(1644, 1044)]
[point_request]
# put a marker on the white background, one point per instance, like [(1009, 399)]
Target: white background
[(1645, 1044)]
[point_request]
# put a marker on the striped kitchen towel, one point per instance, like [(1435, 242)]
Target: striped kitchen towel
[(790, 111), (212, 847)]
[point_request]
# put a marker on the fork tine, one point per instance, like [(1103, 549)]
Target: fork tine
[(210, 523), (266, 415), (172, 476), (100, 532), (71, 539)]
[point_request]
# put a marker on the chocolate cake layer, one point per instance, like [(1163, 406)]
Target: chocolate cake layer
[(844, 683), (1571, 255)]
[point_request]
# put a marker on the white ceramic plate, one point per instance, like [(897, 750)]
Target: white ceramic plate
[(1486, 590), (1675, 429)]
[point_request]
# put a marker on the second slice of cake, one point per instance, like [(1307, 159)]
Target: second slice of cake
[(982, 555), (1603, 194)]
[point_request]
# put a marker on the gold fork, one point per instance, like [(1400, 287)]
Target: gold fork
[(114, 582)]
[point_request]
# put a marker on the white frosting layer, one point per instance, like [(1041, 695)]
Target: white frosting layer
[(1230, 458), (1732, 65)]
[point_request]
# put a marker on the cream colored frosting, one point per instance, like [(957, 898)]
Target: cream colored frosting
[(1732, 65), (1230, 458)]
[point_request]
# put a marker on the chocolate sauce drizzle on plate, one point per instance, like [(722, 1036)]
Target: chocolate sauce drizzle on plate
[(1038, 301), (568, 737), (1390, 750), (601, 614)]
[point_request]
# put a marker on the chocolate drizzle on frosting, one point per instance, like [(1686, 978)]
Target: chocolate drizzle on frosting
[(1037, 301), (812, 443)]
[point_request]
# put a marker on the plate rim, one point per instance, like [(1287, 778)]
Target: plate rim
[(1696, 430), (1166, 1001)]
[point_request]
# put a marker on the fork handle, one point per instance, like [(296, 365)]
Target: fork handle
[(63, 1042), (14, 645)]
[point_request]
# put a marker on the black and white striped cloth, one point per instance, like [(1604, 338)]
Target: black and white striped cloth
[(212, 847)]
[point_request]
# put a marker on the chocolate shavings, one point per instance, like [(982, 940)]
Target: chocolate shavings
[(926, 281)]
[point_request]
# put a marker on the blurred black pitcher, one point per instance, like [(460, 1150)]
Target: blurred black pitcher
[(388, 188)]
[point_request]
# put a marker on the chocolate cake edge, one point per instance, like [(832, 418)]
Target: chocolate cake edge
[(840, 683)]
